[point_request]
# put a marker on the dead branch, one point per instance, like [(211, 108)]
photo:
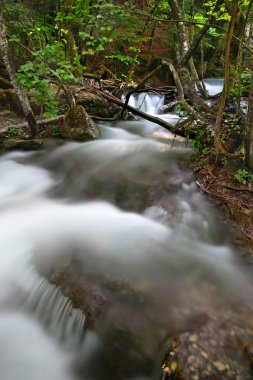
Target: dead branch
[(168, 107), (106, 118), (180, 90), (236, 188)]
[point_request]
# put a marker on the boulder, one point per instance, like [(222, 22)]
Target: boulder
[(78, 125)]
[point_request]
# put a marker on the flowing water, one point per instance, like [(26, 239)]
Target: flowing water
[(147, 246)]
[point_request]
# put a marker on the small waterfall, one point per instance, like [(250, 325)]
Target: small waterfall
[(149, 103), (56, 312), (214, 85)]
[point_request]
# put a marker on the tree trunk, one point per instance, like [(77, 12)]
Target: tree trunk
[(199, 36), (22, 96), (219, 147), (178, 14), (248, 161)]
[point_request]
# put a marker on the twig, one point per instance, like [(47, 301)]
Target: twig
[(235, 188)]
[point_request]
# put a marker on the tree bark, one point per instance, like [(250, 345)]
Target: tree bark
[(219, 147), (248, 143), (178, 14), (6, 57)]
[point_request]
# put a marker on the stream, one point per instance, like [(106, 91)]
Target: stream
[(149, 251)]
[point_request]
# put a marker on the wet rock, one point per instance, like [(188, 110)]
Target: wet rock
[(128, 337), (11, 143), (78, 125), (228, 359)]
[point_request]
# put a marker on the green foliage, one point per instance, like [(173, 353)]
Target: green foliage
[(221, 15), (123, 58), (241, 83), (243, 176), (56, 131), (15, 132), (160, 8), (27, 27), (204, 140), (232, 124), (102, 27), (99, 26), (49, 65)]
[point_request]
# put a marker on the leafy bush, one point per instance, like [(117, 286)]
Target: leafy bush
[(36, 76), (243, 176), (15, 132)]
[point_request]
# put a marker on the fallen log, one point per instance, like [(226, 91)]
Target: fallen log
[(168, 106)]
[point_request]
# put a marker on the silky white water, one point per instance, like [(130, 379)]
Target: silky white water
[(127, 209)]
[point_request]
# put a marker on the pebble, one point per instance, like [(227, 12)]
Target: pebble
[(191, 359), (204, 354), (193, 338), (220, 366)]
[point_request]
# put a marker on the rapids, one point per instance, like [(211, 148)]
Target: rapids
[(127, 209)]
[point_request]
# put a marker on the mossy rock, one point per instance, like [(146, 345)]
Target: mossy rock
[(33, 144), (78, 125)]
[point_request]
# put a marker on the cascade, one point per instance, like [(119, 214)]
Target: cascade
[(135, 248), (149, 103)]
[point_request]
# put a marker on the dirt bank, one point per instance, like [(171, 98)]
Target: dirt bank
[(235, 199)]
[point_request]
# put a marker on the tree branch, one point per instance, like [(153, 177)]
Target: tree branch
[(173, 129)]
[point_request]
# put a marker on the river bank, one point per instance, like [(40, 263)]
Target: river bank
[(233, 198)]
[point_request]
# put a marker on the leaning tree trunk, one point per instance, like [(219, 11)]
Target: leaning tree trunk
[(6, 57), (248, 161), (225, 92), (178, 14)]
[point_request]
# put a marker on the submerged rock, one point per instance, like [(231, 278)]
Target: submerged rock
[(78, 125)]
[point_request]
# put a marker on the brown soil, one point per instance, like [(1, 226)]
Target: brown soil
[(234, 198)]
